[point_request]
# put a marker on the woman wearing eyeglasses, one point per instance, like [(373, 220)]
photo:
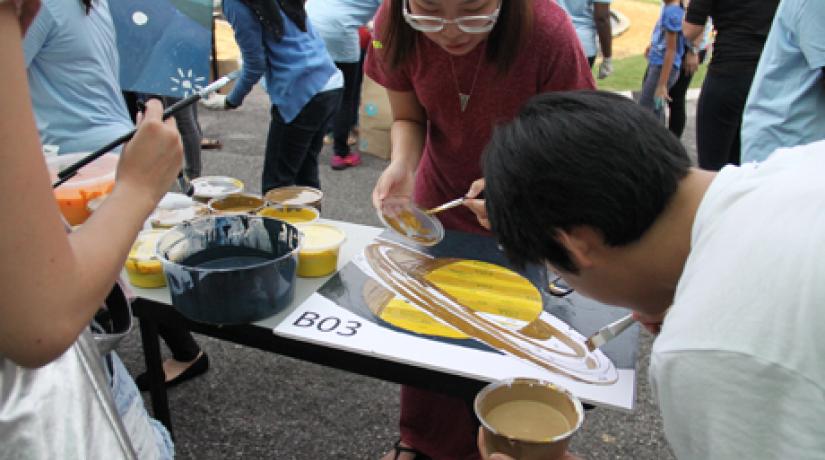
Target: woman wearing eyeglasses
[(453, 69)]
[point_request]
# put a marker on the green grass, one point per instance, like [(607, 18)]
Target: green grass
[(628, 72)]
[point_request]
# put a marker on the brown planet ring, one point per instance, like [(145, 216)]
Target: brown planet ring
[(403, 271)]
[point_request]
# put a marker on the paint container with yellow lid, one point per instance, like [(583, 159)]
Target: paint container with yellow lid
[(292, 214), (318, 255), (142, 265)]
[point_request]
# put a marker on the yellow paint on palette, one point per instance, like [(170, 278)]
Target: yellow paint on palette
[(480, 286), (377, 44)]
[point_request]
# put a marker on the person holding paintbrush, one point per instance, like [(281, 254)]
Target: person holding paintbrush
[(55, 391), (453, 69), (736, 367)]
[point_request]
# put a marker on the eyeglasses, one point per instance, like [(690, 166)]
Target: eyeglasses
[(556, 286), (469, 24)]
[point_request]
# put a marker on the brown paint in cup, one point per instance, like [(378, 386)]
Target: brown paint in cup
[(528, 419), (237, 203)]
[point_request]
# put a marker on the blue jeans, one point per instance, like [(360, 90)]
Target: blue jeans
[(292, 149), (649, 89), (146, 433)]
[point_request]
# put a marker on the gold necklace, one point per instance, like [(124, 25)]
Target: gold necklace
[(464, 99)]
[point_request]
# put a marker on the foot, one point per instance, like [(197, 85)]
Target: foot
[(353, 159), (352, 139), (177, 372), (402, 451), (338, 162)]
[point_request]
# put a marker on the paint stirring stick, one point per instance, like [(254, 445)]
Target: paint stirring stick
[(608, 332), (71, 170)]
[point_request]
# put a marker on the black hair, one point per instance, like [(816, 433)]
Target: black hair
[(269, 13), (578, 158)]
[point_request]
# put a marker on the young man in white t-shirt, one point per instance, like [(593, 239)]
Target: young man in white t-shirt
[(730, 265)]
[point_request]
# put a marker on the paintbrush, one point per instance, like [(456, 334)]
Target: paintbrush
[(448, 205), (608, 332), (72, 169)]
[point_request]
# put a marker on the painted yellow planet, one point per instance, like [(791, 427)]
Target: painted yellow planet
[(486, 288)]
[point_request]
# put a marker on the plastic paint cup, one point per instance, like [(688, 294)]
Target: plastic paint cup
[(237, 203), (208, 187), (91, 181), (528, 419), (318, 255), (293, 214), (296, 195), (142, 266)]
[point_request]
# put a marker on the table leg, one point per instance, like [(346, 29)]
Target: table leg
[(154, 368)]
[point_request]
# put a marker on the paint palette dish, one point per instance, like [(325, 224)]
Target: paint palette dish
[(414, 225)]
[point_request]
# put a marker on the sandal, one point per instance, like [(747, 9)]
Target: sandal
[(209, 143), (399, 449)]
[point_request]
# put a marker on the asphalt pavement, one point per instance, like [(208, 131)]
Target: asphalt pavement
[(258, 405)]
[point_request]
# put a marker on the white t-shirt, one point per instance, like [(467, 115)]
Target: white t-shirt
[(739, 367)]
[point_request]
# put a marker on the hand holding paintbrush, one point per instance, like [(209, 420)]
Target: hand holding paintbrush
[(70, 171)]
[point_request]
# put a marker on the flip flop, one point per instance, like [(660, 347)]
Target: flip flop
[(399, 449), (209, 143)]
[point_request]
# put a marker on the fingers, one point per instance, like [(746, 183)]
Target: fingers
[(652, 323), (154, 110), (475, 188), (479, 208)]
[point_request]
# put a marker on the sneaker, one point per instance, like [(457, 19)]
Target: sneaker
[(353, 159), (339, 162)]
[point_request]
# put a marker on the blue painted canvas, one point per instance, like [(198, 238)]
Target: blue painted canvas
[(164, 45)]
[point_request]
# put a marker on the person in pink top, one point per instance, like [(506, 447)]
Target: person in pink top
[(454, 69)]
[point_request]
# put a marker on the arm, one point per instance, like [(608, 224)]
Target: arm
[(671, 41), (693, 32), (248, 35), (601, 15), (696, 16), (407, 136), (53, 283)]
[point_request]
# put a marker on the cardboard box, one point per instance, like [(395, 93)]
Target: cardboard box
[(374, 141), (374, 119)]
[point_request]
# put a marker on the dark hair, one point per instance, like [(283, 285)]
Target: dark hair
[(578, 158), (269, 13), (514, 25)]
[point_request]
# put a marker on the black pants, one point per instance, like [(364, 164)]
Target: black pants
[(678, 112), (344, 119), (719, 118), (180, 342), (291, 156)]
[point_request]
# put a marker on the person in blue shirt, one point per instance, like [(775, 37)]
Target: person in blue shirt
[(72, 63), (591, 18), (337, 22), (278, 43), (786, 103), (664, 58)]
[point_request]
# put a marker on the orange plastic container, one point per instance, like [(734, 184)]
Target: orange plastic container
[(93, 180)]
